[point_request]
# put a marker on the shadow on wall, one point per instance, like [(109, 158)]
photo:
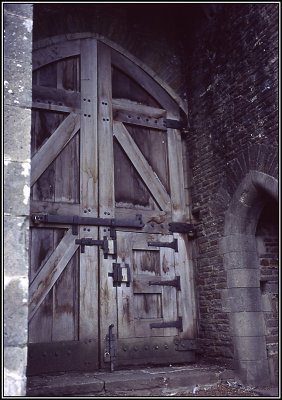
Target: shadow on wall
[(267, 247)]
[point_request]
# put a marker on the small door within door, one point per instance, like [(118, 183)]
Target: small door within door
[(149, 316)]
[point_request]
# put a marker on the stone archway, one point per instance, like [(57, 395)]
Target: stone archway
[(243, 295)]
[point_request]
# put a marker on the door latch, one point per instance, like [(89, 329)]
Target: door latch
[(121, 274), (109, 246)]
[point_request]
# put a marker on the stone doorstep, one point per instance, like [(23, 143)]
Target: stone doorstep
[(167, 378)]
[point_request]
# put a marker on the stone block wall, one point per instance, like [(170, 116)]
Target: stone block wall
[(267, 245), (17, 124), (232, 88)]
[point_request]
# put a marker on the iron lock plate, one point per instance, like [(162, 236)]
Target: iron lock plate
[(121, 274)]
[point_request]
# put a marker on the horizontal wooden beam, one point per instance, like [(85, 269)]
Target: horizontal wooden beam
[(53, 97)]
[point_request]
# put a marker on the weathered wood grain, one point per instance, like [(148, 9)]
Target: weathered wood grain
[(49, 273), (144, 80), (54, 145), (88, 287), (135, 107), (142, 166), (55, 98), (108, 299), (55, 52)]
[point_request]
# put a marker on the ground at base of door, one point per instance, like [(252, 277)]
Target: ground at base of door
[(183, 381)]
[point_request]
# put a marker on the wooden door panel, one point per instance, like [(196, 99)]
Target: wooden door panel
[(54, 145), (124, 87), (65, 303), (130, 191), (67, 188), (40, 326), (150, 85), (53, 312), (153, 145), (42, 245), (43, 124), (143, 168), (68, 74), (50, 272), (143, 303)]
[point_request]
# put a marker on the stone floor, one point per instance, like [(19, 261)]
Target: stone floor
[(183, 381)]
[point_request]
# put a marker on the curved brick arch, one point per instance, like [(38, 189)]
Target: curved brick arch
[(256, 157), (243, 296)]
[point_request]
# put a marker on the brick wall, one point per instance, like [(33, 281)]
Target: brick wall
[(233, 128)]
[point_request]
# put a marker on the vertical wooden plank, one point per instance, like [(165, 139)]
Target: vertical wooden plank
[(88, 308), (186, 297), (67, 173), (108, 313), (183, 262), (125, 303), (176, 174), (169, 303), (65, 296), (41, 248), (40, 326), (64, 303)]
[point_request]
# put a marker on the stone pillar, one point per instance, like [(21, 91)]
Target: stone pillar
[(243, 302), (17, 128)]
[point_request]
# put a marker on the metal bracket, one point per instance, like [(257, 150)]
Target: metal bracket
[(185, 344), (182, 227), (171, 324), (175, 282), (173, 245), (174, 124)]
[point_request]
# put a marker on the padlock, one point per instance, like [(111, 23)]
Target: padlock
[(107, 357)]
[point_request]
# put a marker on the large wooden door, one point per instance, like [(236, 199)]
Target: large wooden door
[(102, 146)]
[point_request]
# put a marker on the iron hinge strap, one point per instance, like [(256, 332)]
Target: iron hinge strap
[(170, 324), (77, 220), (182, 227), (174, 124), (172, 245), (174, 282)]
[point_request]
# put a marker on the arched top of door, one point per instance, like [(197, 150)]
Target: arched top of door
[(68, 45)]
